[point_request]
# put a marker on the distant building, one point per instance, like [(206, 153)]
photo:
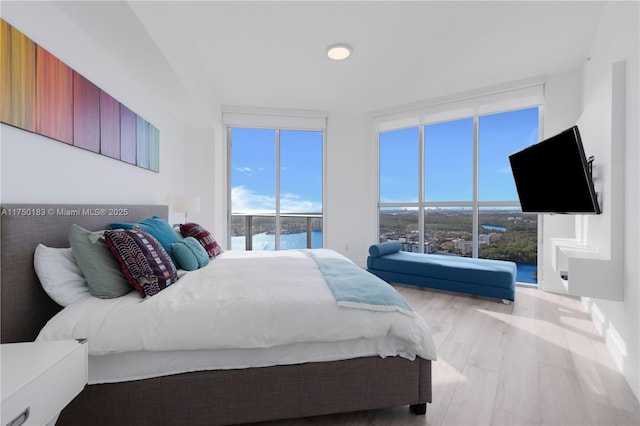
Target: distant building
[(448, 245), (466, 247), (485, 238)]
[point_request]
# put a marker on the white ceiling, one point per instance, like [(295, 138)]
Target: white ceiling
[(199, 55)]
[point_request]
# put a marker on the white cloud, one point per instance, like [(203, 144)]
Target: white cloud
[(246, 170), (293, 204), (247, 201)]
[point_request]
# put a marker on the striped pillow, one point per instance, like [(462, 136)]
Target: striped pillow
[(145, 263), (203, 236)]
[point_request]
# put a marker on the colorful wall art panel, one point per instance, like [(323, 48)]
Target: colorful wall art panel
[(154, 148), (86, 114), (142, 143), (109, 126), (128, 133), (54, 97), (41, 94), (18, 79)]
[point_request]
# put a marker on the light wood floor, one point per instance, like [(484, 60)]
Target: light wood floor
[(538, 361)]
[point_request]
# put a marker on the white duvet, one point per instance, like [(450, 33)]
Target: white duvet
[(241, 300)]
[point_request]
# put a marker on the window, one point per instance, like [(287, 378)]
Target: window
[(276, 184), (276, 177), (448, 161), (399, 165), (445, 183), (276, 189)]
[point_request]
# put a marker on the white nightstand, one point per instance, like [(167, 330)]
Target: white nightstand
[(39, 379)]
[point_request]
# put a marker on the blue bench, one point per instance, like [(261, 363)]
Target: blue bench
[(481, 277)]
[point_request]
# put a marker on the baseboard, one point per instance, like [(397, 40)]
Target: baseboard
[(615, 344)]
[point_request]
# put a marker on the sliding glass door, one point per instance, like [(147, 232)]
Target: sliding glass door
[(276, 188)]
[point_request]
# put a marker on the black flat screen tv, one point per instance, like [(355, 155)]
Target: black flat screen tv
[(554, 176)]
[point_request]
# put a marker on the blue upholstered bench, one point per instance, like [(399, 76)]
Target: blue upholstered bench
[(481, 277)]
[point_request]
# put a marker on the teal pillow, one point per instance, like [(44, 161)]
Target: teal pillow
[(387, 247), (190, 254), (197, 249), (158, 228), (100, 268)]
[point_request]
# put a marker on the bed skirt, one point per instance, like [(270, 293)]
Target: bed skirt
[(257, 394)]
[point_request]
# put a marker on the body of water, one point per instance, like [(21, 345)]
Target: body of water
[(265, 241), (526, 273), (494, 228)]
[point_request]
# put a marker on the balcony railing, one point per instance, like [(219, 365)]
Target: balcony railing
[(250, 225)]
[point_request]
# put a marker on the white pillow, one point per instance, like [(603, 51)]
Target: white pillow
[(59, 274)]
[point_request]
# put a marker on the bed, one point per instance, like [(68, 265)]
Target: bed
[(211, 397)]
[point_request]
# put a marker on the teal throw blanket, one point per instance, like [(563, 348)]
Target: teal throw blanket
[(354, 287)]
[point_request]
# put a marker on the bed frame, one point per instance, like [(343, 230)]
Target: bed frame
[(199, 398)]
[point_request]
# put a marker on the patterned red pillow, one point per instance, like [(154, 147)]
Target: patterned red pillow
[(203, 236), (145, 263)]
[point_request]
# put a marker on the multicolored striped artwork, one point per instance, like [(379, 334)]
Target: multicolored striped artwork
[(154, 148), (18, 78), (41, 94), (142, 143), (109, 126), (86, 114), (54, 97), (128, 135)]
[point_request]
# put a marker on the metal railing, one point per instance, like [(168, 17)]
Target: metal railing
[(246, 225)]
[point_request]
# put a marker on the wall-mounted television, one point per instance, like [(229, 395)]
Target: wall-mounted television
[(554, 176)]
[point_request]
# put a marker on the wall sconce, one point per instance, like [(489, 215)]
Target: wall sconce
[(185, 204)]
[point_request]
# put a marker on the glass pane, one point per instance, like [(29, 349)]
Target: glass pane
[(448, 161), (300, 232), (316, 232), (508, 234), (253, 188), (500, 135), (293, 234), (263, 229), (253, 177), (300, 172), (300, 189), (449, 231), (238, 232), (399, 151), (400, 224)]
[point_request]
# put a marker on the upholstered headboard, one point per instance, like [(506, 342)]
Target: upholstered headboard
[(24, 306)]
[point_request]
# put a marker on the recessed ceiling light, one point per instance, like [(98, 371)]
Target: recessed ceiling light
[(339, 52)]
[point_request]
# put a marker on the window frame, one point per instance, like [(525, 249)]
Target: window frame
[(277, 120), (501, 99)]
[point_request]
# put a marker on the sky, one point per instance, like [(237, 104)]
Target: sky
[(449, 158), (448, 163), (253, 176)]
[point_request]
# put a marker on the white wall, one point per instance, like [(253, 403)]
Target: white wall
[(562, 105), (566, 98), (205, 175), (39, 169), (350, 205), (617, 39)]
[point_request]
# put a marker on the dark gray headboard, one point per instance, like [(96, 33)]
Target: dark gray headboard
[(24, 306)]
